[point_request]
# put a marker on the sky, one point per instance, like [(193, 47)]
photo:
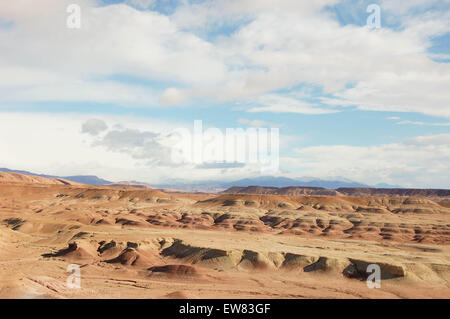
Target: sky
[(367, 104)]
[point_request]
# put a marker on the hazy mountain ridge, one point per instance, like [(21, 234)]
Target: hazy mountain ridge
[(83, 179), (268, 181)]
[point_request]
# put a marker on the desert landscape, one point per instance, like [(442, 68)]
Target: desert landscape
[(132, 241)]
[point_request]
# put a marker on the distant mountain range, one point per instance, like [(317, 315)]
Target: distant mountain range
[(84, 179), (268, 181), (217, 186)]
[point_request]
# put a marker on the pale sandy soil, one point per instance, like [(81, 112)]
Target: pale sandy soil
[(151, 244)]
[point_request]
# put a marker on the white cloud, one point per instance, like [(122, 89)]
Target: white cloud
[(93, 126), (44, 60), (143, 4), (282, 104), (136, 149), (282, 47), (130, 149), (172, 96), (401, 7), (407, 122), (422, 161), (57, 145), (276, 45), (253, 123)]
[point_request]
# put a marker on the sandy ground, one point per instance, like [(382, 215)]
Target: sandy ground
[(150, 244)]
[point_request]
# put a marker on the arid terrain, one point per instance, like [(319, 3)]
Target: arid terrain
[(147, 243)]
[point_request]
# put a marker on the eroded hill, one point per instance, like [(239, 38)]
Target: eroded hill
[(148, 243)]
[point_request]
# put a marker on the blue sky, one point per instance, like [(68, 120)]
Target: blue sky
[(337, 90)]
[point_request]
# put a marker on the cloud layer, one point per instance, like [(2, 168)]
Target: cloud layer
[(272, 46), (135, 149), (423, 161)]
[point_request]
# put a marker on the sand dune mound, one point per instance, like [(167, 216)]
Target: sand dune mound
[(105, 221), (202, 221), (252, 260), (348, 267), (312, 203), (179, 271), (377, 205), (445, 204), (109, 250), (164, 219), (37, 227), (394, 192), (132, 255), (199, 255), (359, 268), (174, 219), (13, 223), (325, 264), (289, 191), (219, 258), (102, 193), (297, 262), (144, 195), (127, 185), (313, 224), (240, 222), (179, 295), (131, 222), (78, 251), (249, 200)]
